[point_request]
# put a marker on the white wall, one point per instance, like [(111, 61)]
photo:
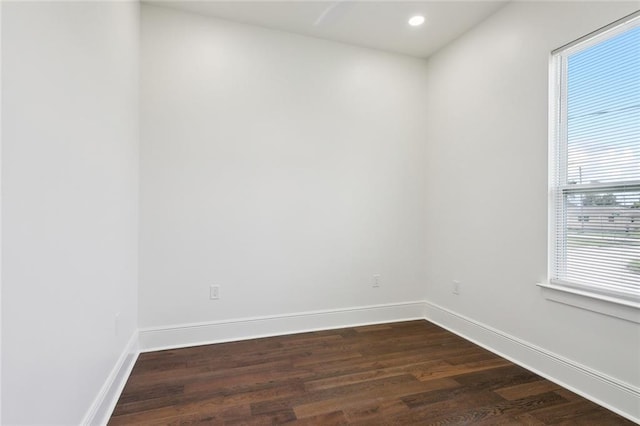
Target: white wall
[(487, 184), (1, 212), (286, 169), (69, 207)]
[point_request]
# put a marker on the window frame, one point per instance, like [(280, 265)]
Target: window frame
[(593, 298)]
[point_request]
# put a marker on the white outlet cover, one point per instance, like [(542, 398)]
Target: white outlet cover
[(375, 280), (214, 292)]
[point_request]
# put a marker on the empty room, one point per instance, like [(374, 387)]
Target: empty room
[(320, 212)]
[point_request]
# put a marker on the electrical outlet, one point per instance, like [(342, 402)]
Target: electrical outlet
[(456, 287), (214, 292), (376, 280)]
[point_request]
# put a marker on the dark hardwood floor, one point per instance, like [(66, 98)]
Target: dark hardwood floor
[(393, 374)]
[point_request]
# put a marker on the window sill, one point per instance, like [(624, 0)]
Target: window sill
[(606, 305)]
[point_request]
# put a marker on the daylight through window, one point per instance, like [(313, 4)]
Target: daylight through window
[(595, 163)]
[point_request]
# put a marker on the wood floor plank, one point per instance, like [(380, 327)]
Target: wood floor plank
[(351, 395), (334, 418), (404, 373), (527, 389), (445, 369)]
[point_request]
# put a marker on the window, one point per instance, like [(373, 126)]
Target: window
[(595, 163)]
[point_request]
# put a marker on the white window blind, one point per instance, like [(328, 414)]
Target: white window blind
[(595, 170)]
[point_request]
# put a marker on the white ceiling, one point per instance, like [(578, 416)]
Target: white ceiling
[(375, 24)]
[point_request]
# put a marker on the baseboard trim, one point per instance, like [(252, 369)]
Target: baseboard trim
[(194, 334), (104, 403), (616, 395)]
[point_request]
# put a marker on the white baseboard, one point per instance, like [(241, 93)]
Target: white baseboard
[(609, 392), (158, 338), (104, 403)]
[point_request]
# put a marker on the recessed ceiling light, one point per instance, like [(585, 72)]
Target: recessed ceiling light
[(417, 20)]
